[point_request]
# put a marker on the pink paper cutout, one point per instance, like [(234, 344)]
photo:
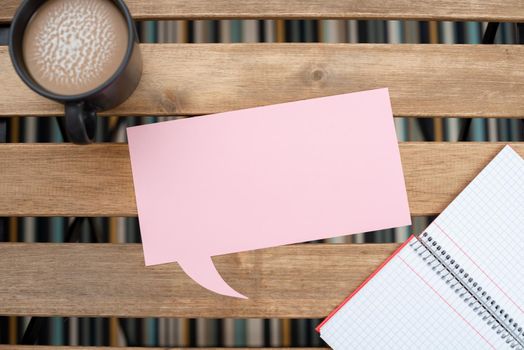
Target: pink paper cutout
[(266, 176)]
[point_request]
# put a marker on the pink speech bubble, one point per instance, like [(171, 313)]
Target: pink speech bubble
[(265, 176)]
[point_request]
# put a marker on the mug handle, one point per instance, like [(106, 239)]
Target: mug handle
[(80, 122)]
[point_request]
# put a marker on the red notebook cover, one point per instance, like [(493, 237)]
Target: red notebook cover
[(362, 285)]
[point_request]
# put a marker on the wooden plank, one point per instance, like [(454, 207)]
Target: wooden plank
[(111, 280), (481, 10), (95, 180), (424, 80)]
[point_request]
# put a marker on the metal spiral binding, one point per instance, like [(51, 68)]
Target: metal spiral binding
[(469, 290)]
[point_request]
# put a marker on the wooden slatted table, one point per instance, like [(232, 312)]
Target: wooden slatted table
[(424, 80)]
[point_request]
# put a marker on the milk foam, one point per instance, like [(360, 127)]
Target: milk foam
[(73, 46)]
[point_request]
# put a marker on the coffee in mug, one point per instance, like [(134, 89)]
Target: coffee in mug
[(82, 53), (72, 46)]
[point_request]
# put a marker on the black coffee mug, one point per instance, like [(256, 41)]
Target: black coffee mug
[(80, 110)]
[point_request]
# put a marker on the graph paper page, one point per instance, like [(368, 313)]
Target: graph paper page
[(483, 229), (407, 306)]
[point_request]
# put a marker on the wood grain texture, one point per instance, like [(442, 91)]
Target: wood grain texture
[(482, 10), (95, 180), (192, 79), (111, 280)]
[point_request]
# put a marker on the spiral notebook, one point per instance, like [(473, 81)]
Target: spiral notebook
[(458, 285)]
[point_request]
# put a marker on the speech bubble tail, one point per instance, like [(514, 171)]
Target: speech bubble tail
[(204, 272)]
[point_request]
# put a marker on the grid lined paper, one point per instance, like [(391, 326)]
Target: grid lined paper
[(483, 229), (408, 306)]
